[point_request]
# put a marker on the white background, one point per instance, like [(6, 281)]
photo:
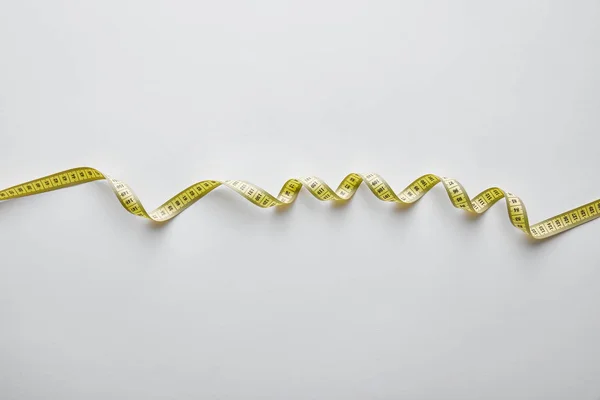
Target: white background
[(363, 301)]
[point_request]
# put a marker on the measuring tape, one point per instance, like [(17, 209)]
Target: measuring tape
[(345, 191)]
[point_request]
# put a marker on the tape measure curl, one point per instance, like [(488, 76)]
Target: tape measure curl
[(318, 188)]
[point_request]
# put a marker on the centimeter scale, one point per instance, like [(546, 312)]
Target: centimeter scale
[(318, 188)]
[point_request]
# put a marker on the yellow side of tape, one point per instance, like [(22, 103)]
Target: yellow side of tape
[(318, 188)]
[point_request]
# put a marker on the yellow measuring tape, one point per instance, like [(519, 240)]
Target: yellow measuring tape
[(260, 197)]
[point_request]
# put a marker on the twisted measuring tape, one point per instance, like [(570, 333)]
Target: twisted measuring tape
[(260, 197)]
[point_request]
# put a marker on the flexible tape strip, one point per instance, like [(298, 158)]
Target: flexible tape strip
[(380, 188)]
